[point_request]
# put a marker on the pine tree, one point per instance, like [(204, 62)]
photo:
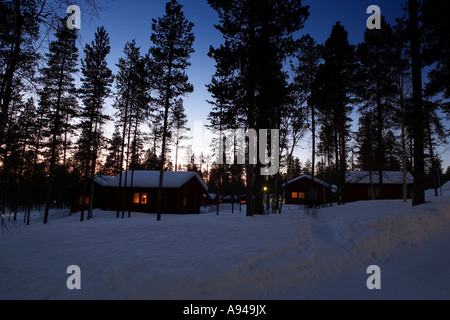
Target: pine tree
[(309, 58), (365, 138), (378, 60), (19, 31), (96, 81), (111, 166), (11, 152), (223, 91), (156, 133), (140, 112), (418, 129), (332, 95), (435, 134), (436, 49), (128, 81), (250, 28), (179, 122), (172, 47), (21, 22), (57, 94)]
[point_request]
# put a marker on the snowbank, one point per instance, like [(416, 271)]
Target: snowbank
[(206, 256)]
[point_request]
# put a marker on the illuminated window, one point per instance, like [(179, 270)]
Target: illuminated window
[(80, 201), (140, 198), (143, 198), (298, 195), (136, 197)]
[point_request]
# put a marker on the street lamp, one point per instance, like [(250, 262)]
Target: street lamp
[(266, 198)]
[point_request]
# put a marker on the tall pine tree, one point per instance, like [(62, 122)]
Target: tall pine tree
[(19, 31), (418, 110), (179, 124), (57, 94), (333, 95), (95, 88), (378, 60), (172, 45), (128, 81), (309, 59)]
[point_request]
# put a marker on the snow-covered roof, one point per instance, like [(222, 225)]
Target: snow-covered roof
[(389, 177), (150, 179), (308, 177)]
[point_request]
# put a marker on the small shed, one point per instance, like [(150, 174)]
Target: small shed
[(358, 185), (302, 190), (183, 192)]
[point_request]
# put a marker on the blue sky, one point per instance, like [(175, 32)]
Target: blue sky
[(127, 20)]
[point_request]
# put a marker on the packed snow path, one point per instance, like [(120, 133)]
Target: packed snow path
[(230, 256)]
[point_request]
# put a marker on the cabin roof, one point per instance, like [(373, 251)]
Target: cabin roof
[(307, 176), (150, 179), (389, 177)]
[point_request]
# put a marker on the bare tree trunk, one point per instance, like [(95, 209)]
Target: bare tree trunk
[(163, 151), (93, 168), (127, 192), (124, 132), (431, 151), (176, 149), (54, 138), (402, 111), (419, 164), (313, 152)]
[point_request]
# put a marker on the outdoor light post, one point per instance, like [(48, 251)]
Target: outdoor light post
[(267, 200)]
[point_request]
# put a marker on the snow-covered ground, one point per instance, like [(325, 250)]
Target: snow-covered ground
[(288, 256)]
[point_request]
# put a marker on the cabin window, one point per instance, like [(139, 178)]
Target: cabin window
[(140, 198), (298, 195), (185, 201), (80, 201)]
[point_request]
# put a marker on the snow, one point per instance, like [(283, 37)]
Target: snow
[(150, 179), (286, 256), (389, 177)]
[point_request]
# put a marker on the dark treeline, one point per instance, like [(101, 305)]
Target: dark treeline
[(400, 123), (52, 134)]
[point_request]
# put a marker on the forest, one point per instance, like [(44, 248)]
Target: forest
[(53, 131)]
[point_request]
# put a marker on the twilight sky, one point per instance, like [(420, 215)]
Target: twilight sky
[(131, 19)]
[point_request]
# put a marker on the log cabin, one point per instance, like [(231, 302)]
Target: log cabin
[(302, 190), (183, 192), (358, 185)]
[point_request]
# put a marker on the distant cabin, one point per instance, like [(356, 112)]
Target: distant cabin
[(183, 192), (358, 185), (298, 191)]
